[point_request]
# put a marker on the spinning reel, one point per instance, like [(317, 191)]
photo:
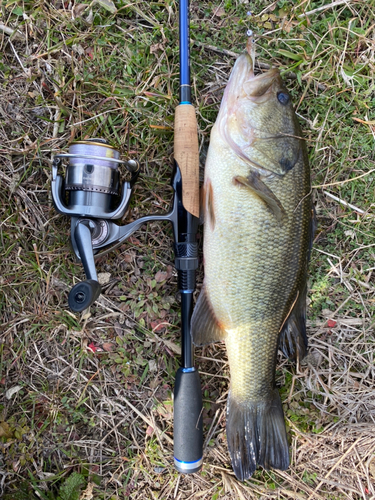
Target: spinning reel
[(92, 195)]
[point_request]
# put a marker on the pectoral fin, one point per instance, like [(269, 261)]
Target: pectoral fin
[(205, 328), (254, 182)]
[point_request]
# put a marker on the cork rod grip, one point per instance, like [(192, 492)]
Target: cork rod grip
[(186, 154)]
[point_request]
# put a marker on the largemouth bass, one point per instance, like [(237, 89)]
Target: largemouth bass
[(258, 233)]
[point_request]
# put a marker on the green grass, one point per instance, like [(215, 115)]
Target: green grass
[(91, 72)]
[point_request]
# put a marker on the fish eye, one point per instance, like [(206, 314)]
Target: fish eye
[(283, 98)]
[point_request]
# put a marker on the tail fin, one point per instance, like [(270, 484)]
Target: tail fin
[(256, 435)]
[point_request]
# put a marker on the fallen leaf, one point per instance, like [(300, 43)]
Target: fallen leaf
[(108, 347), (219, 12), (161, 276), (108, 5), (78, 9), (172, 346), (90, 52), (331, 323), (13, 390), (134, 241), (128, 258), (5, 430), (86, 314), (87, 494), (152, 365), (150, 430), (118, 329), (104, 278), (169, 271), (158, 325), (154, 48)]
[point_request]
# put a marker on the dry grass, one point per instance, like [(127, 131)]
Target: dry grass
[(78, 71)]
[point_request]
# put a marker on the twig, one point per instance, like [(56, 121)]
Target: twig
[(353, 207), (10, 31), (145, 419), (22, 66), (323, 7), (211, 432), (345, 181), (56, 124)]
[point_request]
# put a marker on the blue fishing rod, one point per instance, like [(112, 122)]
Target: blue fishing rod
[(188, 423)]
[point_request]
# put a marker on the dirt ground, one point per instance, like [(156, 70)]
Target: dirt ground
[(86, 408)]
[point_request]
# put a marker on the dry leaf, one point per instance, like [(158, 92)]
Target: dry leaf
[(158, 325), (12, 390), (88, 493), (78, 9), (107, 4), (86, 314), (5, 430), (154, 48), (172, 346), (150, 430), (128, 258), (104, 278), (161, 276), (219, 12), (152, 365)]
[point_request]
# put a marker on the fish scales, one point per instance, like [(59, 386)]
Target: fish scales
[(257, 235), (249, 268)]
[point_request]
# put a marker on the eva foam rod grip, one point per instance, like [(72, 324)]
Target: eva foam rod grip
[(187, 422), (186, 154)]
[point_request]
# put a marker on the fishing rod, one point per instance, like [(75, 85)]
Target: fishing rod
[(187, 407)]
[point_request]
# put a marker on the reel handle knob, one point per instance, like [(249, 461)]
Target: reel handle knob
[(83, 294)]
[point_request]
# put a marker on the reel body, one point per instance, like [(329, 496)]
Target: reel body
[(91, 194)]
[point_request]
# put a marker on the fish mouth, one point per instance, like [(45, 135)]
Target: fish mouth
[(244, 88), (247, 83)]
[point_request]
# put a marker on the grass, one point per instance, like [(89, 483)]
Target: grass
[(92, 404)]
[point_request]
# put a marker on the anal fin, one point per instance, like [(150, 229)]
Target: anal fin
[(293, 337), (205, 328)]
